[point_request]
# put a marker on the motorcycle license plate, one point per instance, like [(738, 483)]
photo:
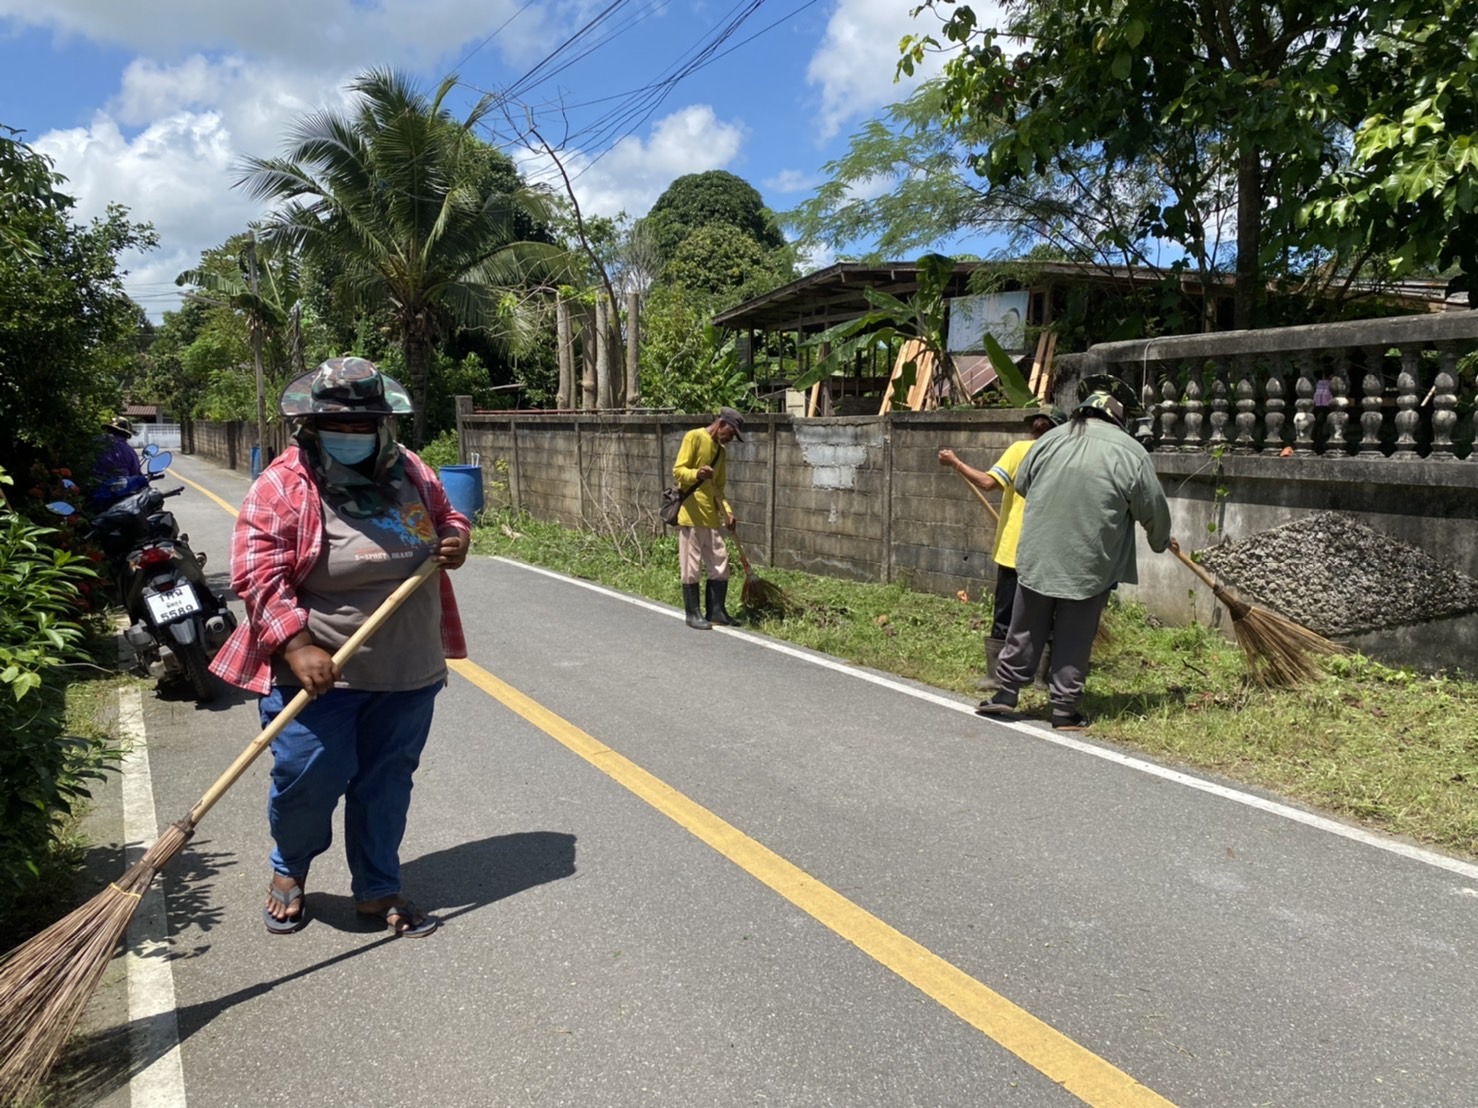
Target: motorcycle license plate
[(166, 607)]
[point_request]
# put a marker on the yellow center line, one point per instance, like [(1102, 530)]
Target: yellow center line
[(1074, 1067), (207, 492)]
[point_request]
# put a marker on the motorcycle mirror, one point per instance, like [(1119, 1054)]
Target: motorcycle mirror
[(159, 462), (61, 508), (150, 449)]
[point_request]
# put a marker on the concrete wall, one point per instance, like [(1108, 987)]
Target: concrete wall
[(865, 498)]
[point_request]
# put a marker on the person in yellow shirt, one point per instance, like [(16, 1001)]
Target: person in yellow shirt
[(701, 463), (1002, 476)]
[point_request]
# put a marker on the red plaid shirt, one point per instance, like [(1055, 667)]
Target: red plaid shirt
[(278, 537)]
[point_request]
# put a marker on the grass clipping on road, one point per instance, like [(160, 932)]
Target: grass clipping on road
[(1385, 747)]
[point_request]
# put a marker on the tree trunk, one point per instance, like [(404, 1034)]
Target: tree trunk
[(1247, 291), (565, 347), (417, 350), (633, 349)]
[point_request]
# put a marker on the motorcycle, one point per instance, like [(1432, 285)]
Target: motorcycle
[(178, 622)]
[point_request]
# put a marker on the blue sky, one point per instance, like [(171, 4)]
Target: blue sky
[(152, 103)]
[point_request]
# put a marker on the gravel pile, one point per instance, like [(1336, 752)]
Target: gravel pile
[(1337, 576)]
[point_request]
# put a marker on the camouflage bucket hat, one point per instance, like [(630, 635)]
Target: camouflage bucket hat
[(351, 386), (1051, 412)]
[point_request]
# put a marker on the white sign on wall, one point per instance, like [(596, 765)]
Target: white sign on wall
[(999, 314)]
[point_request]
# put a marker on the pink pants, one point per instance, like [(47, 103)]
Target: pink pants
[(705, 545)]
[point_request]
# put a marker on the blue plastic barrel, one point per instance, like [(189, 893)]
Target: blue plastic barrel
[(256, 462), (463, 486)]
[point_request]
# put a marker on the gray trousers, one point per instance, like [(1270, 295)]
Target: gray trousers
[(1070, 626)]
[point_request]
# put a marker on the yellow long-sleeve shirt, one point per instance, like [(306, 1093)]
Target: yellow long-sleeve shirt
[(707, 506)]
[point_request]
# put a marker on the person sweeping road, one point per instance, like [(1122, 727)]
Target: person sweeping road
[(1002, 475), (1086, 484), (330, 529), (700, 542)]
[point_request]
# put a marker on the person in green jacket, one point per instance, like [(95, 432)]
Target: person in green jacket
[(701, 461), (1086, 485)]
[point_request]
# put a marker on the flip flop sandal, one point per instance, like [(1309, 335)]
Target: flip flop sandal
[(407, 912), (285, 897)]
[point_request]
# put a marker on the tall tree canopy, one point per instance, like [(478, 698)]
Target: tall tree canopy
[(1247, 100), (416, 211), (696, 200)]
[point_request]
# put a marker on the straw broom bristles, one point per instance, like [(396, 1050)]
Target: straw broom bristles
[(47, 981), (1279, 652), (759, 595)]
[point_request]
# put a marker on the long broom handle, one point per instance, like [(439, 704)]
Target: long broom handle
[(377, 619), (980, 495), (743, 561), (1199, 571)]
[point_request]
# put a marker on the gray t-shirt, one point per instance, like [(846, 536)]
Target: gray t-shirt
[(1085, 486), (361, 563)]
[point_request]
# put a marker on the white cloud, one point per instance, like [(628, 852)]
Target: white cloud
[(169, 147), (858, 57), (634, 172), (793, 180), (325, 33)]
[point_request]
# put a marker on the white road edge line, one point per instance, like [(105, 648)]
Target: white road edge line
[(153, 1030), (1272, 807)]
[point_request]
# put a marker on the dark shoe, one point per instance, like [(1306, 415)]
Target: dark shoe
[(690, 605), (403, 920), (1002, 704), (717, 593), (1069, 721), (993, 648), (286, 897)]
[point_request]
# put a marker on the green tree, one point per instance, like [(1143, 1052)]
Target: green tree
[(27, 183), (686, 362), (1232, 101), (725, 262), (697, 199), (1410, 193), (68, 332), (397, 192), (904, 185)]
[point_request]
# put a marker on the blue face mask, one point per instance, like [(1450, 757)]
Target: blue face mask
[(348, 447)]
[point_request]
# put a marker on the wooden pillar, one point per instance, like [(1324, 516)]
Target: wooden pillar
[(588, 397), (564, 344), (602, 354), (633, 349)]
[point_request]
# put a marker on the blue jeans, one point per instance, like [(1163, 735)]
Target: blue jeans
[(364, 747)]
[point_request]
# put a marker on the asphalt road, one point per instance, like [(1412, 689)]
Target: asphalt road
[(707, 869)]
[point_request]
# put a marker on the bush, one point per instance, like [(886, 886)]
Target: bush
[(43, 770), (443, 450)]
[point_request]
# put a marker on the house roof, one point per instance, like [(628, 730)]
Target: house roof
[(835, 294), (141, 409)]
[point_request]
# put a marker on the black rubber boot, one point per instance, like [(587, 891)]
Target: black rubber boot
[(993, 648), (717, 592), (690, 605)]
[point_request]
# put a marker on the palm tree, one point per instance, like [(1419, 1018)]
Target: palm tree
[(400, 194)]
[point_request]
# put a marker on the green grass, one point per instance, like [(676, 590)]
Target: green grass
[(1389, 748)]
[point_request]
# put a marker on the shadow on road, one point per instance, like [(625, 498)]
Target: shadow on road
[(449, 883)]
